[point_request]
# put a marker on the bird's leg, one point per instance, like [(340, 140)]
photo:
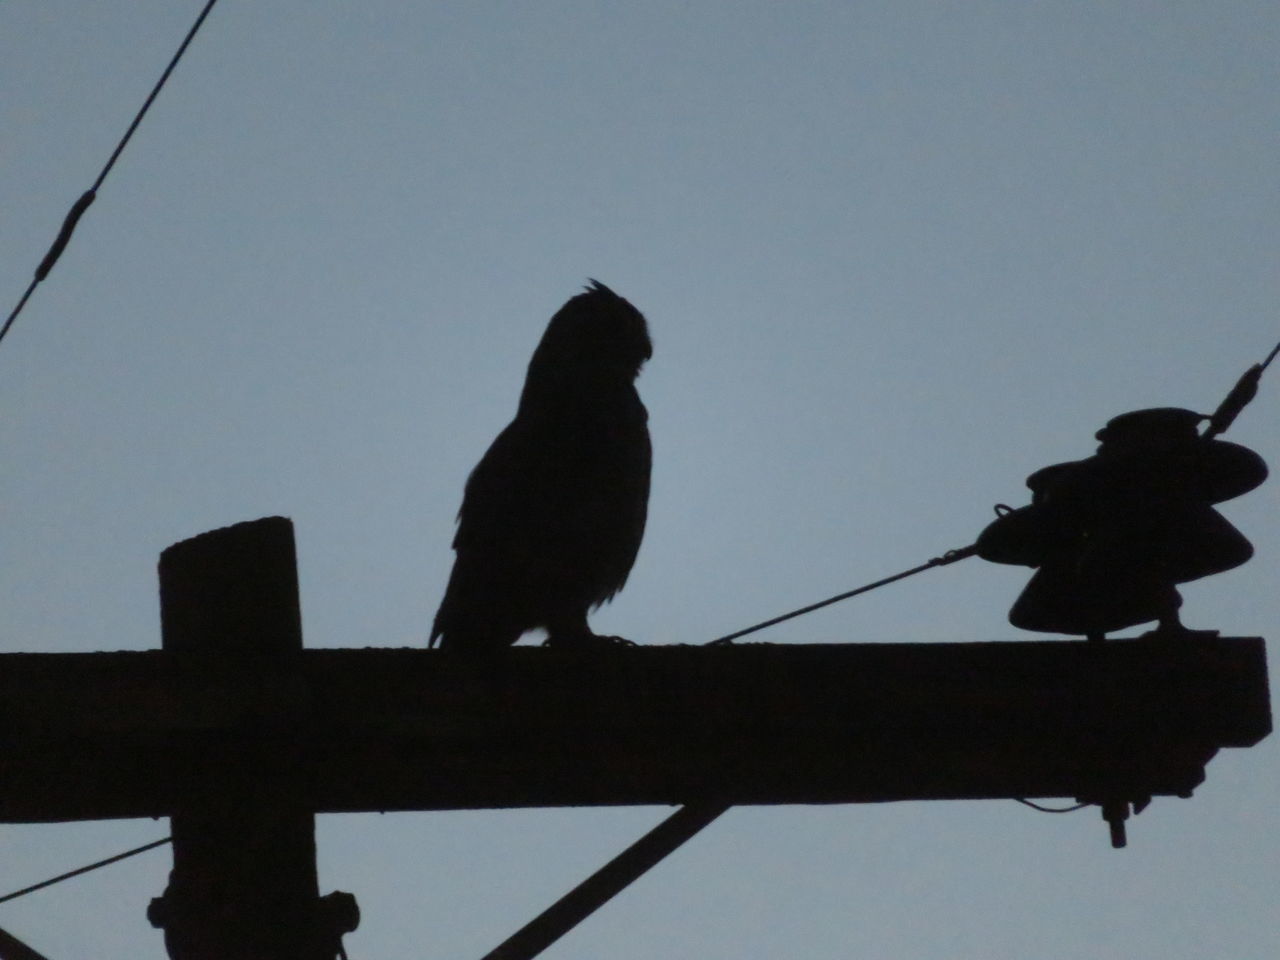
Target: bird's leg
[(572, 633)]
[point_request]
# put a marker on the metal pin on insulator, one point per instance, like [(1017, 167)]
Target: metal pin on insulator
[(1116, 812)]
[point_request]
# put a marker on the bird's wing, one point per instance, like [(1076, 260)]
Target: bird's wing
[(510, 502)]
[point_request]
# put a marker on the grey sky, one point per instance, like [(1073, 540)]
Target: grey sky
[(894, 256)]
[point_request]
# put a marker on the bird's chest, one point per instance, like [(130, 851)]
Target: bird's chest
[(604, 449)]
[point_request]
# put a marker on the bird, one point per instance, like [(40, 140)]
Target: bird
[(553, 514)]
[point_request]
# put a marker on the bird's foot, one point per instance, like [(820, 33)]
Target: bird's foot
[(585, 641)]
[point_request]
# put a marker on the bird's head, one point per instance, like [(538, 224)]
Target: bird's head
[(596, 334)]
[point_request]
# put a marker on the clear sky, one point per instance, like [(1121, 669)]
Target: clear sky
[(895, 256)]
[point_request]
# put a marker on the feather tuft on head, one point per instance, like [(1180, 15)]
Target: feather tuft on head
[(595, 286)]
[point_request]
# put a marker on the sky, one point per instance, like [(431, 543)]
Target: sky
[(895, 256)]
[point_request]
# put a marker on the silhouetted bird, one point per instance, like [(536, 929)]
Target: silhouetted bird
[(554, 512)]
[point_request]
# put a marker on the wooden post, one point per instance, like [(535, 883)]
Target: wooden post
[(607, 882), (243, 885)]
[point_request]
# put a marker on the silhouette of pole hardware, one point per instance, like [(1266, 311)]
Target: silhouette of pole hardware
[(241, 735), (243, 885), (1245, 389), (1112, 534)]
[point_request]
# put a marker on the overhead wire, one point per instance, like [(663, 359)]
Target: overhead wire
[(951, 556), (85, 869), (59, 244), (86, 199)]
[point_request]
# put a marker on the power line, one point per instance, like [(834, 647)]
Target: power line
[(86, 199), (951, 556), (85, 869)]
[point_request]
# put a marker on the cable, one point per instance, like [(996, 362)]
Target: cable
[(951, 556), (77, 210), (1036, 806), (75, 873), (1270, 356)]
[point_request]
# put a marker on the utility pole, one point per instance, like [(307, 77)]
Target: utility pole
[(241, 736), (244, 884)]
